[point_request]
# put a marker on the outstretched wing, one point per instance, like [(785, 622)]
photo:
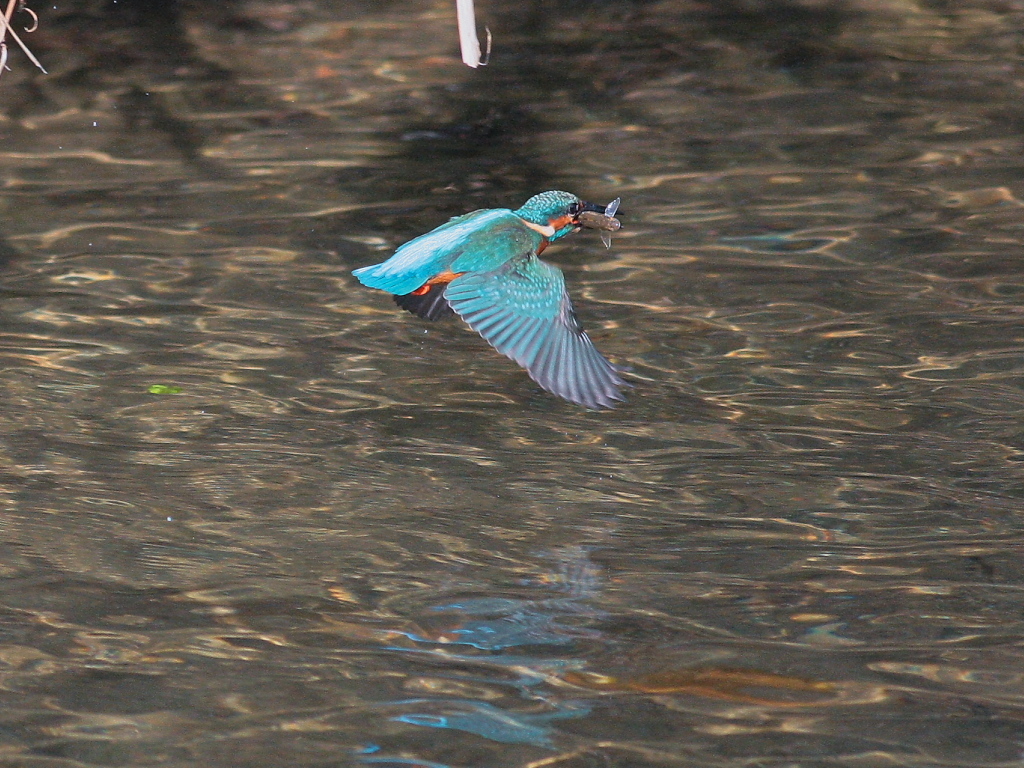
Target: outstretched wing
[(524, 312)]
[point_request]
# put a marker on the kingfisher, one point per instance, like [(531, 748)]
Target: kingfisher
[(484, 267)]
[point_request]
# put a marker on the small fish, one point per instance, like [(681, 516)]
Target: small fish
[(606, 221)]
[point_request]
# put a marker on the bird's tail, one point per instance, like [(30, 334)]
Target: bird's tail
[(383, 279)]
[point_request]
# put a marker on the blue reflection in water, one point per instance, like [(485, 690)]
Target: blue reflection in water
[(530, 624), (514, 622), (500, 623), (382, 760), (490, 722)]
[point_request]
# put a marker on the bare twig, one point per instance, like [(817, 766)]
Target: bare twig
[(35, 19), (6, 28), (468, 41)]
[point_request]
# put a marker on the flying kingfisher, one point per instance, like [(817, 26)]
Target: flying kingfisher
[(483, 266)]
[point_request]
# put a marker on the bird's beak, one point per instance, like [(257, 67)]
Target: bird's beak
[(584, 206)]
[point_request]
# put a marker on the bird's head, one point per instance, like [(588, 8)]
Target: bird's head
[(554, 214)]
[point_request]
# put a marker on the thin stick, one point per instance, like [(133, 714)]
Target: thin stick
[(5, 27), (3, 36)]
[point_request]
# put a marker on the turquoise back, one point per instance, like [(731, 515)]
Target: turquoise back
[(474, 242)]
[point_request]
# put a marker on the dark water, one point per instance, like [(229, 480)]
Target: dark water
[(341, 536)]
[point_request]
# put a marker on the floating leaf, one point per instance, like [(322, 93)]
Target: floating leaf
[(163, 389)]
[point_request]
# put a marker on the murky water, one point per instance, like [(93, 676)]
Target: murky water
[(256, 515)]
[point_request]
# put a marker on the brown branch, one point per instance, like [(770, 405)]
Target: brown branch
[(6, 28)]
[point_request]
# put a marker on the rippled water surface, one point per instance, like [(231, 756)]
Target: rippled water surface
[(255, 515)]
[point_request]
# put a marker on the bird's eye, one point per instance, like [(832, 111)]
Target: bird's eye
[(574, 209)]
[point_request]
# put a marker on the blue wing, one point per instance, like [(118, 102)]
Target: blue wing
[(523, 311), (479, 240)]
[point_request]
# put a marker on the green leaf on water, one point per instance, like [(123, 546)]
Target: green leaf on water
[(163, 389)]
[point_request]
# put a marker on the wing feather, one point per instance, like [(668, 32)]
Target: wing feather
[(507, 334), (523, 311), (524, 350)]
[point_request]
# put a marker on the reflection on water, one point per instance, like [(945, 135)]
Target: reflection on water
[(255, 515)]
